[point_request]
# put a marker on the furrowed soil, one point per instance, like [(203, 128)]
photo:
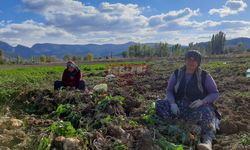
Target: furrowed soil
[(124, 116)]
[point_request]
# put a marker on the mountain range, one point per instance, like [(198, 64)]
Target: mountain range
[(232, 42), (59, 50)]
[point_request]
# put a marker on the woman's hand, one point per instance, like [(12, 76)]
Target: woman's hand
[(174, 108), (197, 103)]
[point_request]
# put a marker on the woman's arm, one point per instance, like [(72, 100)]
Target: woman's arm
[(170, 89), (77, 78), (212, 90), (64, 77)]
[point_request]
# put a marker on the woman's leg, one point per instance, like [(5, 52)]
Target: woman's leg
[(81, 85), (57, 85), (205, 117), (162, 109)]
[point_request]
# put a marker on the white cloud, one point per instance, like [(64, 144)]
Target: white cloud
[(183, 14), (5, 22), (2, 22), (230, 8), (156, 20), (225, 25), (74, 16), (174, 20), (30, 32), (72, 22)]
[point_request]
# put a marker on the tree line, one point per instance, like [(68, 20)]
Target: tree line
[(161, 49), (215, 46), (42, 59)]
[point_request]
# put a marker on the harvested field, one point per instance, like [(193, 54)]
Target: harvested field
[(36, 117)]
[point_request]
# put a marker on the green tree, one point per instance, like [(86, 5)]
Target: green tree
[(125, 54), (89, 57), (35, 59), (158, 50), (79, 58), (74, 58), (147, 51), (209, 48), (218, 43), (50, 59), (19, 60), (43, 58), (165, 49), (143, 50), (1, 54), (161, 49), (131, 51), (67, 57), (241, 46), (138, 50), (177, 50), (191, 46), (151, 52), (2, 59), (111, 54)]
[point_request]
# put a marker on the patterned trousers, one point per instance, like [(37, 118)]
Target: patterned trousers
[(204, 116)]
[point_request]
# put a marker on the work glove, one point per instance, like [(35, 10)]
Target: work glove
[(196, 104), (174, 108)]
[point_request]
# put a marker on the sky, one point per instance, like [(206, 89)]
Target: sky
[(28, 22)]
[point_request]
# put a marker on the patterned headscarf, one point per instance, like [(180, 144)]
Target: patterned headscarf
[(73, 65), (194, 54)]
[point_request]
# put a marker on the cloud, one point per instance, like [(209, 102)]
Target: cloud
[(183, 14), (74, 16), (156, 20), (29, 32), (174, 20), (230, 8), (4, 22), (225, 25), (73, 22)]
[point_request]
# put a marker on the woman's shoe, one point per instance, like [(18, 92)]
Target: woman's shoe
[(203, 146)]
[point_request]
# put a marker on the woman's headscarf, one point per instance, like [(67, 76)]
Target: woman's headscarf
[(73, 65), (194, 54)]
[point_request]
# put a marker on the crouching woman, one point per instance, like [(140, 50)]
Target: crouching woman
[(71, 78), (191, 93)]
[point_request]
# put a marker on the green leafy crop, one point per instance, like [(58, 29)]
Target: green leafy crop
[(62, 129), (101, 105), (44, 144)]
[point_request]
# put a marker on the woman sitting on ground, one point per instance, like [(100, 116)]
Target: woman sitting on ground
[(71, 79), (191, 93)]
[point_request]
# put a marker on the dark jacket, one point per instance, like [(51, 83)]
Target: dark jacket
[(71, 78)]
